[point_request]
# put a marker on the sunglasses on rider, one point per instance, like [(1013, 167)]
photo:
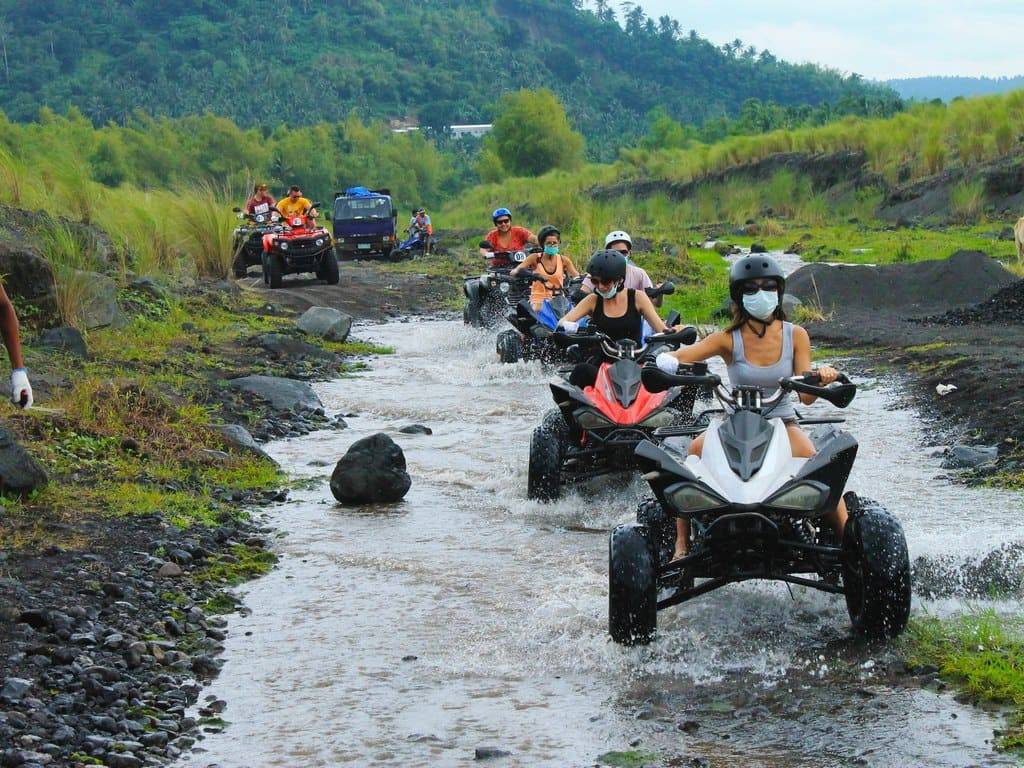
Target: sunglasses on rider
[(750, 287), (503, 221)]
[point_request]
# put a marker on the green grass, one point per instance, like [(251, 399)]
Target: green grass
[(982, 654), (632, 759), (240, 564)]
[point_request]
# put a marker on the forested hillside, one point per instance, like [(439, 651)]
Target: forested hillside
[(265, 63), (949, 88)]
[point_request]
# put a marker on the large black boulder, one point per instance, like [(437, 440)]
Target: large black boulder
[(19, 472), (371, 472)]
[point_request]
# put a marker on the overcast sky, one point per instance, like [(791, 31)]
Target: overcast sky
[(879, 39)]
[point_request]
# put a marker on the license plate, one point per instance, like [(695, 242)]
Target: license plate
[(364, 246)]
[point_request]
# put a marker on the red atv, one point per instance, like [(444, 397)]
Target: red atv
[(301, 246), (595, 430)]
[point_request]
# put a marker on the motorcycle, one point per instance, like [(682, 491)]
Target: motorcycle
[(595, 430), (247, 240), (300, 246), (755, 512), (417, 242), (489, 297), (531, 339)]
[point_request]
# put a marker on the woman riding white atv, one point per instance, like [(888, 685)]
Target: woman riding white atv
[(616, 312), (758, 352), (551, 264)]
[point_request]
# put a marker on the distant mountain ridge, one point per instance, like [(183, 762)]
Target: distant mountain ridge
[(264, 63), (948, 88)]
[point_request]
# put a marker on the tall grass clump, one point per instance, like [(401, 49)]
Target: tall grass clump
[(207, 225), (966, 200), (72, 263)]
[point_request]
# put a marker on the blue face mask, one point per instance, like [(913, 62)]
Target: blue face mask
[(550, 250), (761, 305), (609, 294)]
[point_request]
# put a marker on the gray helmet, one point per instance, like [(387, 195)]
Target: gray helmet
[(607, 266), (754, 267)]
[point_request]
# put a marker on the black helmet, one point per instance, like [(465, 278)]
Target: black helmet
[(753, 267), (546, 232), (607, 266)]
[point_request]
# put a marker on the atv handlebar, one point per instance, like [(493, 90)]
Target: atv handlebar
[(696, 375), (665, 289), (840, 392)]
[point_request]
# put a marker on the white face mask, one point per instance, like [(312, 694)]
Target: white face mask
[(609, 294), (761, 305)]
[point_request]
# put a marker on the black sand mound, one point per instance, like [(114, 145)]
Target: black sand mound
[(965, 278), (1004, 306)]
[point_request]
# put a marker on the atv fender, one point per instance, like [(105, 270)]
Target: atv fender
[(268, 242), (654, 458), (471, 288), (831, 465)]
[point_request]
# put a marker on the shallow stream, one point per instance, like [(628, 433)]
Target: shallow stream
[(468, 616)]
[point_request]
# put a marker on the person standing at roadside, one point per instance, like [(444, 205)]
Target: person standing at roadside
[(421, 223), (21, 390), (260, 196)]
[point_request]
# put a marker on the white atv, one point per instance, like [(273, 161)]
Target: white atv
[(755, 512)]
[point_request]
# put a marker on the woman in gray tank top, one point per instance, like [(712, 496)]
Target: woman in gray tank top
[(759, 347)]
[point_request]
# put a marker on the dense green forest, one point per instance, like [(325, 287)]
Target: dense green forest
[(264, 63), (949, 88)]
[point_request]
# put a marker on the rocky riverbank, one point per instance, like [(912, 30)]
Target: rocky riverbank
[(116, 562)]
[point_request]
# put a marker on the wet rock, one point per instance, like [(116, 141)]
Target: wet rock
[(689, 726), (372, 471), (65, 339), (795, 248), (148, 286), (490, 753), (118, 760), (238, 437), (758, 248), (325, 322), (15, 688), (283, 394), (19, 472), (416, 429), (970, 456)]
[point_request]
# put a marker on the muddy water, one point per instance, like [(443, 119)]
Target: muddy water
[(467, 616)]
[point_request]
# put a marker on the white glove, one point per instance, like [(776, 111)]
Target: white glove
[(20, 388), (569, 325), (667, 362)]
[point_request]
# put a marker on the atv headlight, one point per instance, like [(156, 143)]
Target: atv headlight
[(804, 497), (503, 287), (283, 245), (662, 418), (319, 241), (592, 420), (687, 497)]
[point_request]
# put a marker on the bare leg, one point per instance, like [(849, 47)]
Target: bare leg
[(683, 526), (804, 448)]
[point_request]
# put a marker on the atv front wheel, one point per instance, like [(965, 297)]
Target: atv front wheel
[(328, 269), (876, 570), (275, 271), (544, 479), (471, 314), (632, 586), (510, 347)]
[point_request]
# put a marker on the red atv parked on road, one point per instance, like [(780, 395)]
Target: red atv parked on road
[(595, 430), (301, 247)]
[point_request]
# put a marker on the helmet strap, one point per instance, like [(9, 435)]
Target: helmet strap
[(751, 320)]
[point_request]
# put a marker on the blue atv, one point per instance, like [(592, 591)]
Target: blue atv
[(418, 242), (528, 339)]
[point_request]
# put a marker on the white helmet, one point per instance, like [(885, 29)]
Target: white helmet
[(618, 236)]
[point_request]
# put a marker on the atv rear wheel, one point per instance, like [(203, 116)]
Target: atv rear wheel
[(876, 570), (274, 271), (544, 478), (328, 269), (509, 346), (632, 586)]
